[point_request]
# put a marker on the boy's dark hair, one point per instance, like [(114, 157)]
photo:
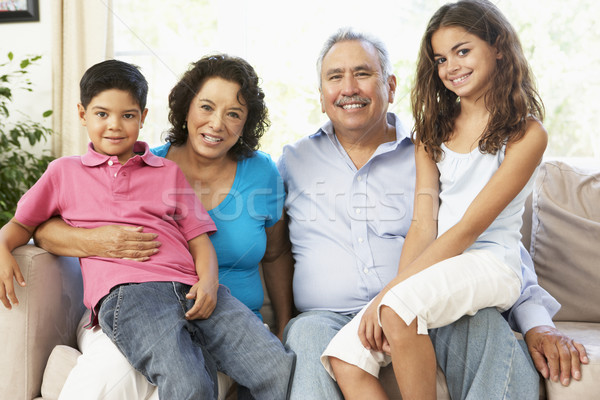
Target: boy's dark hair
[(113, 74)]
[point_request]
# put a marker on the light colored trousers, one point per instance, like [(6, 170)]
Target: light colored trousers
[(435, 297)]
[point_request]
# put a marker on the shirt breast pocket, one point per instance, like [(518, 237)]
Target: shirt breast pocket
[(391, 215)]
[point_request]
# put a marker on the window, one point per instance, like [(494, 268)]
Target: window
[(282, 40)]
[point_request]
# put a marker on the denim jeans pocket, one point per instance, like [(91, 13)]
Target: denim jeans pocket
[(108, 312)]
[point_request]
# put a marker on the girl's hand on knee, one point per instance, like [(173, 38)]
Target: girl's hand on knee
[(386, 346), (370, 333)]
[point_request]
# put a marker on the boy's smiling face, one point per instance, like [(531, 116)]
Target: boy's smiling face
[(113, 120)]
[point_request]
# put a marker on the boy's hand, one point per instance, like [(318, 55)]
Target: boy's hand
[(9, 269), (205, 294)]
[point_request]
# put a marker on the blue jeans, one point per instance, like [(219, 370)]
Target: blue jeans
[(480, 356), (308, 335), (482, 359), (147, 323)]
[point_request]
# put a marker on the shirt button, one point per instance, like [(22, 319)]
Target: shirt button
[(115, 175), (358, 210), (110, 162), (360, 240), (366, 270), (359, 178)]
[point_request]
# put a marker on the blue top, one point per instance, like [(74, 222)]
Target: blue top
[(254, 203), (347, 226)]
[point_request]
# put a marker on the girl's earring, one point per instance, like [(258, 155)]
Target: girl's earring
[(184, 126)]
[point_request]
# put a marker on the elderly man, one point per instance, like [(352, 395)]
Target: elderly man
[(350, 191)]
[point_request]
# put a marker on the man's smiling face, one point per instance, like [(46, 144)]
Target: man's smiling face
[(353, 92)]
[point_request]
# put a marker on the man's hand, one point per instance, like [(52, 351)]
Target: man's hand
[(116, 241), (205, 294), (555, 355)]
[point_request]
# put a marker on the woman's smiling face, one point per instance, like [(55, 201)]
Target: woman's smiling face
[(216, 118)]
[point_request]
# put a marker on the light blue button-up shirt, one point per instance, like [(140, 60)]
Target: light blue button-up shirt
[(347, 226)]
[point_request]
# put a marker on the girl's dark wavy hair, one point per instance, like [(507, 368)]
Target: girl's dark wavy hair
[(511, 100), (232, 69)]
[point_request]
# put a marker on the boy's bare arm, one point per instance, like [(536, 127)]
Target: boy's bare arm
[(12, 235), (207, 268)]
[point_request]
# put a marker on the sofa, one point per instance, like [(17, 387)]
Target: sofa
[(561, 228)]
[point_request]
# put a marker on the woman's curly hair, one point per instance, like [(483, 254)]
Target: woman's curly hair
[(511, 100), (234, 69)]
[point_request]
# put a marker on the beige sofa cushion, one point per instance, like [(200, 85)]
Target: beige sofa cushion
[(49, 308), (60, 363), (588, 387), (565, 238)]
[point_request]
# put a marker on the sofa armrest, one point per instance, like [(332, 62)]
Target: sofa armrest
[(50, 307)]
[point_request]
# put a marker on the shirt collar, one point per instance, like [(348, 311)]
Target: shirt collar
[(93, 158), (401, 132)]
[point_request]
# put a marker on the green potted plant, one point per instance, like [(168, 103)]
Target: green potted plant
[(20, 167)]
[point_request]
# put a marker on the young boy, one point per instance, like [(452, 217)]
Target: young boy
[(167, 315)]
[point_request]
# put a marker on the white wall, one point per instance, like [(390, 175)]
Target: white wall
[(25, 39)]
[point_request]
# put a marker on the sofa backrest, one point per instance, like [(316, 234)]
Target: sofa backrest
[(565, 237)]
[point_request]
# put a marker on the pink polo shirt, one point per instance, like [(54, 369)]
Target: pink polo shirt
[(94, 190)]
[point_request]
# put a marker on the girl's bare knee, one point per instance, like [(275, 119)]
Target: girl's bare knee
[(395, 329), (391, 320)]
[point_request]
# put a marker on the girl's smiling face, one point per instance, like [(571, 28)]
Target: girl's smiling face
[(465, 62)]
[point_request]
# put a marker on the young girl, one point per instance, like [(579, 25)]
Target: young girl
[(478, 141)]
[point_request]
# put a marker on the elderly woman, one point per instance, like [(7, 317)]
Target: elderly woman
[(218, 116)]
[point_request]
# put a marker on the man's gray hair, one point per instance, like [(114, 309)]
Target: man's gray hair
[(347, 34)]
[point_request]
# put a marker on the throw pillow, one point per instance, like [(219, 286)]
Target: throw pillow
[(565, 238)]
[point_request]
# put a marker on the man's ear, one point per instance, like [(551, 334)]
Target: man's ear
[(322, 101), (81, 114), (392, 84)]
